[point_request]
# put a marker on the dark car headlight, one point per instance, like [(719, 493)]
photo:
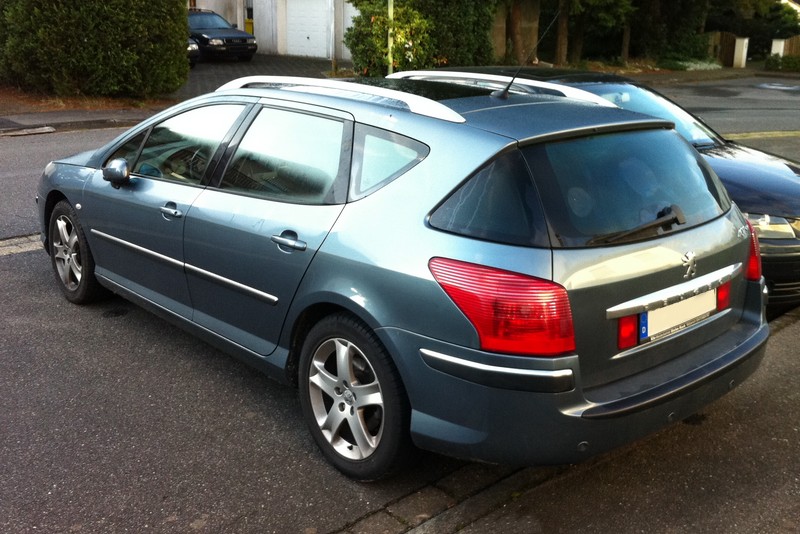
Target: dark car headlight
[(216, 42), (772, 227)]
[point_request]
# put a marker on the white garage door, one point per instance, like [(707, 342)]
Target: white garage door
[(308, 27)]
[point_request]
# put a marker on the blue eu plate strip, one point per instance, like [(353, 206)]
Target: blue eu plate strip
[(643, 328)]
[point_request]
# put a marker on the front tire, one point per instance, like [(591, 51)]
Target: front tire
[(353, 401), (72, 261)]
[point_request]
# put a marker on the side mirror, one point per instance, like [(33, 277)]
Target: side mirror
[(117, 172)]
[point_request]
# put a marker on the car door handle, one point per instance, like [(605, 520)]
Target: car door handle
[(170, 211), (288, 241)]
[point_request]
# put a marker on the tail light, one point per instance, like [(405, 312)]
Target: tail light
[(754, 261), (513, 313), (724, 296)]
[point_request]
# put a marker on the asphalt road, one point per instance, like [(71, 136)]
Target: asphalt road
[(761, 112), (112, 420)]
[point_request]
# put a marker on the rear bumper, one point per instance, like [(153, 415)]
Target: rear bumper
[(527, 411)]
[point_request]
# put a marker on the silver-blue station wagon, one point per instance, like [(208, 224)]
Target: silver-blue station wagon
[(521, 279)]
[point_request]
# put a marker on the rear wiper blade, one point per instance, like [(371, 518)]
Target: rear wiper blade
[(665, 219)]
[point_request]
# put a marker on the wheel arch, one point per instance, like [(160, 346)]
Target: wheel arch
[(53, 198), (311, 315)]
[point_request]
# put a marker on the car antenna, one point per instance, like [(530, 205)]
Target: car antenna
[(503, 93)]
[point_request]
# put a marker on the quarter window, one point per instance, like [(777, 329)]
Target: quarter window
[(380, 157), (498, 203)]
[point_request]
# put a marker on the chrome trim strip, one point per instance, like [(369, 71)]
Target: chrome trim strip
[(271, 299), (561, 373), (137, 248), (671, 295), (502, 79), (416, 104)]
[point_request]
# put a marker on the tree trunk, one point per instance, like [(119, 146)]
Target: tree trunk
[(576, 41), (533, 9), (563, 32), (523, 29), (705, 8), (626, 43), (515, 27)]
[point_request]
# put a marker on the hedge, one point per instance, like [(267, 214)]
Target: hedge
[(788, 63), (133, 48)]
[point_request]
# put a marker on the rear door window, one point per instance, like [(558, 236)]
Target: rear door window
[(291, 156)]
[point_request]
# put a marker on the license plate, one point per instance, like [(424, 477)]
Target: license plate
[(664, 321)]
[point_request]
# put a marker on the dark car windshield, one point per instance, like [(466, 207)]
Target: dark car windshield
[(208, 21), (638, 99), (623, 187)]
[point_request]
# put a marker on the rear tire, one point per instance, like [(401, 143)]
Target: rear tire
[(72, 261), (353, 400)]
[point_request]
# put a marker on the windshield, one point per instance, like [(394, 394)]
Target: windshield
[(635, 98), (623, 187), (207, 21)]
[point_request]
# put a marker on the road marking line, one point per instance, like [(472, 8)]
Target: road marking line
[(762, 135)]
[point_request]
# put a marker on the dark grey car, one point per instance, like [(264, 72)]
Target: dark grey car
[(218, 38), (525, 280)]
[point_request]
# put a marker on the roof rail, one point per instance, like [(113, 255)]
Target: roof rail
[(388, 97), (502, 81)]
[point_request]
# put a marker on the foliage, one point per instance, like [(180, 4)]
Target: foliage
[(604, 14), (95, 47), (787, 63), (426, 33), (679, 35), (761, 22), (461, 29), (367, 39)]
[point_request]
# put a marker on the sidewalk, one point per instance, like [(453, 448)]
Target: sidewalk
[(207, 76), (204, 78)]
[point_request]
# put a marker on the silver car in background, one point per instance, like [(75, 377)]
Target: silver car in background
[(525, 279)]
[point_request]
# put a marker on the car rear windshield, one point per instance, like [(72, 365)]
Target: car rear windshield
[(589, 191), (623, 187)]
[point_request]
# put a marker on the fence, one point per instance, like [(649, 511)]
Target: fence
[(728, 49)]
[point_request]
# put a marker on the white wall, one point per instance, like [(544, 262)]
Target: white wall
[(293, 27)]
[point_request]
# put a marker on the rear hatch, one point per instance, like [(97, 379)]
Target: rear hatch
[(649, 248)]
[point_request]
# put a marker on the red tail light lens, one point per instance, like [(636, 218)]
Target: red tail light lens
[(724, 296), (754, 261), (513, 313), (628, 332)]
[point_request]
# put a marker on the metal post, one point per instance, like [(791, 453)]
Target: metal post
[(391, 35)]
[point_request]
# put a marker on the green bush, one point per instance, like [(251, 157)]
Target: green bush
[(462, 30), (95, 47), (791, 63), (367, 39), (787, 63), (773, 62), (427, 33)]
